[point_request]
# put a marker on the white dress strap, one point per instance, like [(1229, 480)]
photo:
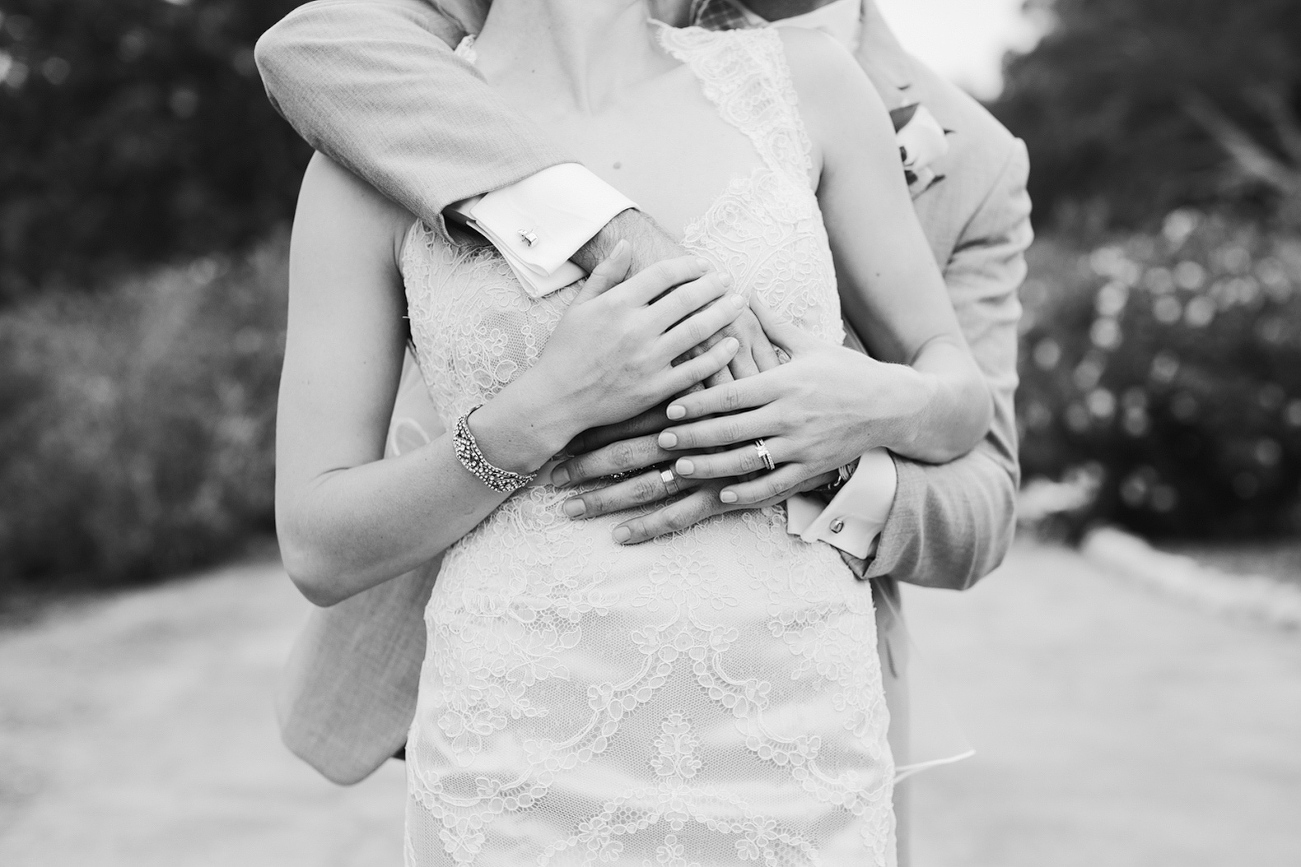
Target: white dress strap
[(745, 74)]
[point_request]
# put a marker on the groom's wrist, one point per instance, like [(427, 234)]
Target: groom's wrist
[(649, 243)]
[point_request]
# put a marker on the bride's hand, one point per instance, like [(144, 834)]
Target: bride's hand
[(821, 410), (612, 355)]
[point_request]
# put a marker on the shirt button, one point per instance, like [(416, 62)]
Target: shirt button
[(837, 525)]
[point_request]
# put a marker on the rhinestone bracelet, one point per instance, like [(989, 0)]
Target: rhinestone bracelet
[(467, 451)]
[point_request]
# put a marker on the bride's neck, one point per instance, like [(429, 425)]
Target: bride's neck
[(585, 51)]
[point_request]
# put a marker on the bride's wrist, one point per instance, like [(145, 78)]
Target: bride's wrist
[(893, 409), (520, 430)]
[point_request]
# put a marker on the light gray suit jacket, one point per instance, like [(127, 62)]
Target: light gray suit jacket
[(373, 84)]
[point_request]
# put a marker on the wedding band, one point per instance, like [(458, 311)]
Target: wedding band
[(670, 480), (782, 355), (762, 448)]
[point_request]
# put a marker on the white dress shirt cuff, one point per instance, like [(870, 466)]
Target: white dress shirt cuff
[(854, 518), (539, 222)]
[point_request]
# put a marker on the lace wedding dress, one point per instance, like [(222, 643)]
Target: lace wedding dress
[(712, 697)]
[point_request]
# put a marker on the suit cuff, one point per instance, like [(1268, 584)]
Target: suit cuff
[(853, 520), (902, 531), (540, 222)]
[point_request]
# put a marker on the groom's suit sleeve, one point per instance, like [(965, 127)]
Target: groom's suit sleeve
[(363, 82), (951, 524)]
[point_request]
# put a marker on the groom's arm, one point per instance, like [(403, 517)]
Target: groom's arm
[(943, 525), (951, 524), (375, 85)]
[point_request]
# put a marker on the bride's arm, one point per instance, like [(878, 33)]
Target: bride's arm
[(348, 520), (891, 287)]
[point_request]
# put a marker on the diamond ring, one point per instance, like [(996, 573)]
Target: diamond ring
[(670, 481), (762, 448)]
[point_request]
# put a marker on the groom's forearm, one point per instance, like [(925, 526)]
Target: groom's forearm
[(952, 524), (374, 84), (934, 538)]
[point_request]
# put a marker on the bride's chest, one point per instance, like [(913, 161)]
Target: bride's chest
[(476, 327)]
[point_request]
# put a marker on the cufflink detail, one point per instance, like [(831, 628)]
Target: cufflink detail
[(837, 525), (529, 236)]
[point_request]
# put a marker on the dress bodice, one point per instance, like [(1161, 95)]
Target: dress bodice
[(710, 697), (476, 328)]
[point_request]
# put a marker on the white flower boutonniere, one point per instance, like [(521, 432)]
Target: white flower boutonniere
[(922, 141)]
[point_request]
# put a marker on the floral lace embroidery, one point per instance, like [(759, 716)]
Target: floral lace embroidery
[(713, 691)]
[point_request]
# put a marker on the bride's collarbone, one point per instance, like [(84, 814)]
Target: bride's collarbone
[(674, 164)]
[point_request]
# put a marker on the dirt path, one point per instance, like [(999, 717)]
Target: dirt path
[(1113, 727)]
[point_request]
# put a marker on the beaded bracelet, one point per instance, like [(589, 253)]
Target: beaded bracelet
[(467, 451)]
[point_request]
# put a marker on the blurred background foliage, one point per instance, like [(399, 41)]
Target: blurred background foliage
[(1132, 108), (145, 183), (1161, 374), (134, 132), (139, 423)]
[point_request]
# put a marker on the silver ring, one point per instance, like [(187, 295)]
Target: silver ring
[(762, 448), (670, 481), (782, 355)]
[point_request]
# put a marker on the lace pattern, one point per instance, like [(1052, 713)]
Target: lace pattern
[(708, 698)]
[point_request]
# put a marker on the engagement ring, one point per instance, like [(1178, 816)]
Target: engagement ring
[(762, 448), (670, 481)]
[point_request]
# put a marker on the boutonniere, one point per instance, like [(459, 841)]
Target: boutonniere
[(921, 141)]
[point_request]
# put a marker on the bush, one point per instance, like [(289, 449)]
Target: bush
[(1168, 367), (135, 132), (138, 424)]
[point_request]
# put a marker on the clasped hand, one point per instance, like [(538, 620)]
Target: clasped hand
[(613, 353), (819, 411)]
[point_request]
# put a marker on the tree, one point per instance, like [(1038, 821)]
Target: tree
[(1134, 107), (134, 131)]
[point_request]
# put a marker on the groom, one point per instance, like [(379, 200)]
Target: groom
[(374, 84)]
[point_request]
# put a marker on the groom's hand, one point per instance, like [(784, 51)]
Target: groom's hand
[(699, 502), (632, 449)]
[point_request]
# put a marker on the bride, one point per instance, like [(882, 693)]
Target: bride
[(707, 698)]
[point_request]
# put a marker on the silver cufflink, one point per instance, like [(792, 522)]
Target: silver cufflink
[(530, 237), (837, 525)]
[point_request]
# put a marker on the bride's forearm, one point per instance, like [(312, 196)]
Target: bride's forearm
[(355, 528), (351, 529), (952, 405)]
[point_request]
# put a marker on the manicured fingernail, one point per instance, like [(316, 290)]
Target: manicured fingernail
[(728, 496), (685, 467), (725, 279), (736, 301), (668, 440), (703, 263), (622, 534), (559, 477), (731, 344), (677, 411), (574, 508)]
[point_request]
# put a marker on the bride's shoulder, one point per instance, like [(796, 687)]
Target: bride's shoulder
[(819, 65), (334, 205), (829, 84)]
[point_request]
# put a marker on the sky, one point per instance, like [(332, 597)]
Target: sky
[(963, 40)]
